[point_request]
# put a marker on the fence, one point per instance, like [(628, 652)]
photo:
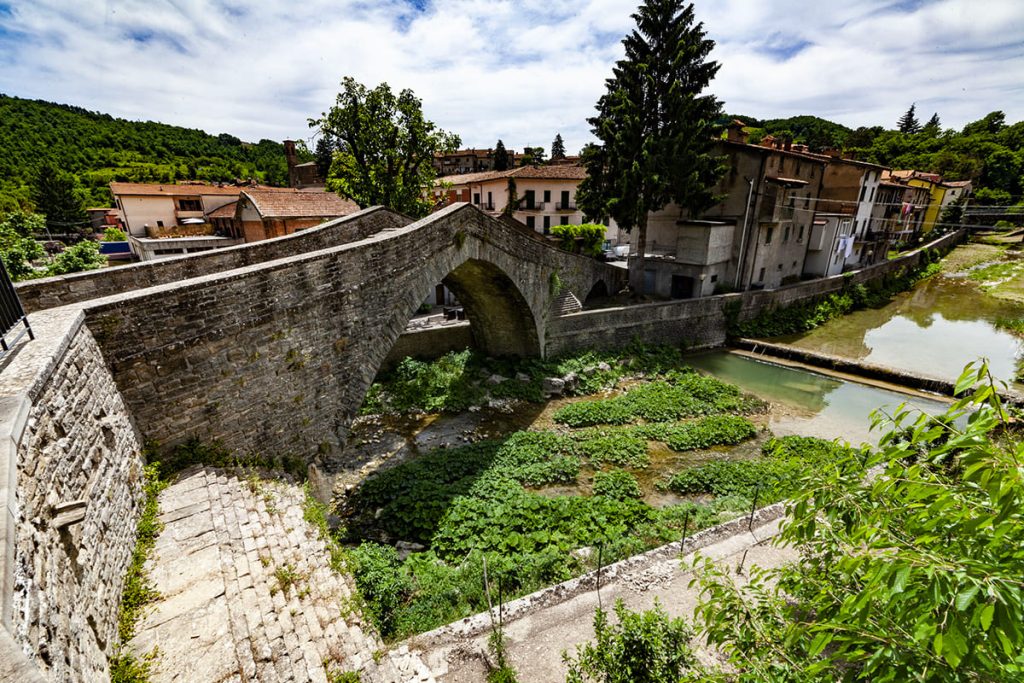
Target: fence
[(11, 313)]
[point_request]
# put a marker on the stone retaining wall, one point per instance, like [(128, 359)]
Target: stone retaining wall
[(429, 343), (68, 289), (701, 323), (77, 492)]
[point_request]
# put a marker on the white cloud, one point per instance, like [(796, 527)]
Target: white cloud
[(521, 70)]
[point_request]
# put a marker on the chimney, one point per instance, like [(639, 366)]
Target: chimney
[(735, 132), (289, 155), (832, 152), (768, 141), (788, 144)]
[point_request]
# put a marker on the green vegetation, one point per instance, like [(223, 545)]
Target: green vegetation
[(774, 476), (78, 257), (213, 454), (138, 589), (648, 647), (678, 395), (908, 567), (18, 248), (587, 238), (97, 149), (478, 503), (459, 380), (383, 139), (807, 315), (113, 234)]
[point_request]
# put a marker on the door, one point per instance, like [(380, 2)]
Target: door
[(682, 287)]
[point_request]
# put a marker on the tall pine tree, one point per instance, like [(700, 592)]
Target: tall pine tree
[(58, 198), (934, 126), (655, 127), (908, 123), (501, 157), (557, 148)]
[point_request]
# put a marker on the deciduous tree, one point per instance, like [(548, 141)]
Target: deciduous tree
[(654, 126), (387, 147)]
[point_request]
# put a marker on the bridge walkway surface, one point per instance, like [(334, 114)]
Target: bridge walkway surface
[(536, 638), (247, 592)]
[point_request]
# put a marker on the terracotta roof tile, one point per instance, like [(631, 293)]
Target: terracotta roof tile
[(173, 190), (226, 211), (551, 172), (297, 204)]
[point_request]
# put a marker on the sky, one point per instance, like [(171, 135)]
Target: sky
[(519, 70)]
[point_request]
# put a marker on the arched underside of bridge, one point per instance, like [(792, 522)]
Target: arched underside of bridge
[(499, 316)]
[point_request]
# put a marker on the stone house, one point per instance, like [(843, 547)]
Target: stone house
[(831, 245), (900, 208), (264, 213), (850, 188), (465, 161)]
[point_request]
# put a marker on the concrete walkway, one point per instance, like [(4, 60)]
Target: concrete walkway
[(247, 593), (537, 639)]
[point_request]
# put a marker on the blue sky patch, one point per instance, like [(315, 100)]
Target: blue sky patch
[(783, 48)]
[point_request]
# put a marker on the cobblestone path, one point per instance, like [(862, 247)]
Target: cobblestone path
[(247, 592)]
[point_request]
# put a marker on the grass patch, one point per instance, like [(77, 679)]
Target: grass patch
[(138, 589), (213, 454)]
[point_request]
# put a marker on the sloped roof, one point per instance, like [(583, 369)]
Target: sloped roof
[(549, 172), (172, 189), (226, 211), (298, 204)]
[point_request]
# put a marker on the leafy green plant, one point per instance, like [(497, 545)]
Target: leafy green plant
[(646, 647), (586, 238), (113, 234), (618, 484), (138, 588), (909, 565), (84, 255)]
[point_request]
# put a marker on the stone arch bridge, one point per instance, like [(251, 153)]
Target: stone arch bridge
[(271, 347)]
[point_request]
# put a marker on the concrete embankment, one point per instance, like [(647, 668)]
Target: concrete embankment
[(881, 374)]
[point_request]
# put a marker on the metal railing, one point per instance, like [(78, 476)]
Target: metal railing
[(565, 206), (11, 313)]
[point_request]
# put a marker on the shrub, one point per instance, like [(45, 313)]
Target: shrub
[(587, 238), (78, 257), (381, 580), (113, 234), (645, 647)]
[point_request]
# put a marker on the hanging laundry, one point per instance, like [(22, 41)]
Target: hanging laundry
[(849, 248)]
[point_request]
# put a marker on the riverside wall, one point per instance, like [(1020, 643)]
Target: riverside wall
[(702, 323)]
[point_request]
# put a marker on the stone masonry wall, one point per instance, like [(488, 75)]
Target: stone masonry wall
[(79, 444), (276, 358), (700, 323), (68, 289)]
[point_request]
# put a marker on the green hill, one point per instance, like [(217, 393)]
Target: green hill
[(98, 148)]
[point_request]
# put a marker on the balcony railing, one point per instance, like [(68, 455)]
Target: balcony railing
[(12, 315), (534, 206), (565, 206), (486, 206)]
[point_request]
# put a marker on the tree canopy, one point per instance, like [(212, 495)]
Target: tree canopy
[(654, 126), (58, 198), (386, 147), (97, 148)]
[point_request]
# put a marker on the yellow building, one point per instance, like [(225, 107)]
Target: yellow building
[(936, 190)]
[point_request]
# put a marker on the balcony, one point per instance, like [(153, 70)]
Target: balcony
[(565, 206), (485, 206), (532, 206)]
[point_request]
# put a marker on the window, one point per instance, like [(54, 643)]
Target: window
[(190, 205), (863, 189), (800, 235), (779, 267), (714, 278), (760, 278), (565, 220), (873, 194), (490, 200), (531, 222), (547, 225), (785, 234), (565, 200), (547, 196), (159, 224), (768, 237), (530, 199), (476, 198)]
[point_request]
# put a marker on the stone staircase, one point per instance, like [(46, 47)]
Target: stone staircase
[(247, 592), (565, 304)]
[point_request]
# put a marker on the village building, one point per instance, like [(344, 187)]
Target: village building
[(148, 207), (850, 188), (936, 192), (465, 161), (264, 213), (537, 196), (304, 175)]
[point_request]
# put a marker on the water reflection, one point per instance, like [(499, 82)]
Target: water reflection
[(807, 403), (935, 329)]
